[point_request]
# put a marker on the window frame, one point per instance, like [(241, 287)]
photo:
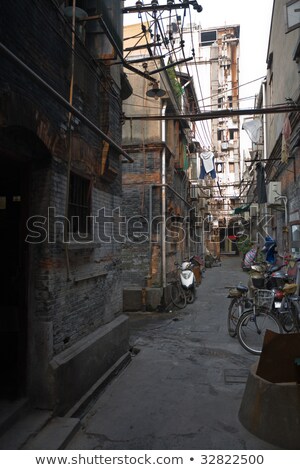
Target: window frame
[(295, 26), (80, 209)]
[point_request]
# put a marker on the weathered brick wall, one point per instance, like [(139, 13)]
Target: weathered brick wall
[(92, 296), (142, 262)]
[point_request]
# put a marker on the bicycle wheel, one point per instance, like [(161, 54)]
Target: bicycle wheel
[(233, 316), (236, 308), (251, 329), (178, 296), (190, 296), (289, 317)]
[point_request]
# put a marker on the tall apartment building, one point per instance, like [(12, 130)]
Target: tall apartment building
[(215, 70)]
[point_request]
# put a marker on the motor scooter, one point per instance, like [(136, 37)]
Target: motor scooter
[(188, 281)]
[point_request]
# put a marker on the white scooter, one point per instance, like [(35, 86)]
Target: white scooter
[(188, 281)]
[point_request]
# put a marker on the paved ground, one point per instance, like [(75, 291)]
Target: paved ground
[(183, 389)]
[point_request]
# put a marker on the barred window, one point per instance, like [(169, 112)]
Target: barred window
[(79, 204)]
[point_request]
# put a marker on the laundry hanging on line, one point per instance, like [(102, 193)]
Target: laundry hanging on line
[(207, 165)]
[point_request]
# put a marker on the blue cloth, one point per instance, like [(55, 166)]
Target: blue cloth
[(270, 250), (203, 173)]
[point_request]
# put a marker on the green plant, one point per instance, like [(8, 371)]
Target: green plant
[(244, 244)]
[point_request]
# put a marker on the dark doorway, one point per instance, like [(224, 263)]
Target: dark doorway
[(13, 285)]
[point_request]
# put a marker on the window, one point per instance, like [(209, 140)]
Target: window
[(231, 134), (208, 37), (295, 240), (292, 15), (219, 167), (231, 167), (79, 204)]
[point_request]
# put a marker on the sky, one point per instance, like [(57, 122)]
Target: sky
[(254, 18)]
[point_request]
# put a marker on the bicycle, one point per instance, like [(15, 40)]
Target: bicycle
[(240, 301), (289, 311), (254, 322), (178, 295)]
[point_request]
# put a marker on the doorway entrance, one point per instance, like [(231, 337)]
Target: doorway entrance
[(13, 286)]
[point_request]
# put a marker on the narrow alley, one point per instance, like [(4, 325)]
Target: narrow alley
[(184, 387)]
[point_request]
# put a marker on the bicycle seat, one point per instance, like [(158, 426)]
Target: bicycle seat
[(290, 289), (242, 288), (273, 269)]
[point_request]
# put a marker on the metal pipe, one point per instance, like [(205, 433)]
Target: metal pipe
[(150, 8), (64, 102), (157, 185), (71, 95), (163, 202), (168, 66), (264, 85), (220, 113)]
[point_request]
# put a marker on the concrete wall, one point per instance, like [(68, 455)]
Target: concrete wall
[(283, 81)]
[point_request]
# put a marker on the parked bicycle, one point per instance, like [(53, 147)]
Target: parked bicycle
[(178, 296), (253, 323), (289, 310), (239, 303)]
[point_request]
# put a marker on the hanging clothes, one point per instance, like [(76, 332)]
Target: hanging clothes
[(261, 184), (207, 165), (253, 129)]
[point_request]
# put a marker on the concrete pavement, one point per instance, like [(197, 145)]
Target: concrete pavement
[(184, 387)]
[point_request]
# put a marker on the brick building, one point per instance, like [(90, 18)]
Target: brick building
[(156, 199), (279, 141), (61, 297)]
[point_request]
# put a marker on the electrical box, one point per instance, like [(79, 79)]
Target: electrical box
[(273, 191)]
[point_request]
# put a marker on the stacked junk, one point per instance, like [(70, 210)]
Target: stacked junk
[(270, 407)]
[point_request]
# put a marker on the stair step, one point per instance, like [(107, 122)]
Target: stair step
[(23, 429), (55, 435), (10, 412)]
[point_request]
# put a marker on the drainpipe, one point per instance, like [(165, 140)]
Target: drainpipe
[(284, 199), (165, 186), (263, 216), (71, 94), (163, 205)]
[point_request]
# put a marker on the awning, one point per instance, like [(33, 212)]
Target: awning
[(241, 209)]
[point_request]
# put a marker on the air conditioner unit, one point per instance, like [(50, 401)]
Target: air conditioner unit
[(194, 192), (202, 203), (273, 191), (254, 210)]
